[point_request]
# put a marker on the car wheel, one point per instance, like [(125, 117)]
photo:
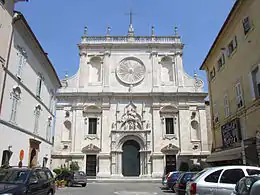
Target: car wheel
[(172, 188), (84, 185), (69, 183), (50, 193)]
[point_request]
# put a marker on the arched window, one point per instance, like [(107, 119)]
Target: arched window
[(66, 133), (166, 70), (95, 70), (195, 132)]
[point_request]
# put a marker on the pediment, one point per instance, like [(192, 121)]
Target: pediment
[(169, 109), (91, 148), (170, 148)]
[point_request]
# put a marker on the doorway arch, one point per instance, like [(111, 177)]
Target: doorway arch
[(131, 158)]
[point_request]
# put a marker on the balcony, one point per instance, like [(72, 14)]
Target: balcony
[(130, 39)]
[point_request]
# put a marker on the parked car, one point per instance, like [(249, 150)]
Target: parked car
[(180, 186), (26, 181), (219, 180), (248, 185), (171, 179), (168, 169), (73, 178)]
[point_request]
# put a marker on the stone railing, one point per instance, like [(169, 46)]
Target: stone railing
[(127, 39)]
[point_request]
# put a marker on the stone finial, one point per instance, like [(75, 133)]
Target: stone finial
[(85, 30), (176, 31), (108, 30), (153, 31)]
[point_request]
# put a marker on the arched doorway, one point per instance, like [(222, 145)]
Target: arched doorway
[(131, 158)]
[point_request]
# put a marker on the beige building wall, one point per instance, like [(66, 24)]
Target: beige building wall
[(237, 69)]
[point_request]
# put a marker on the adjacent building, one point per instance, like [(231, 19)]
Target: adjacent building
[(28, 100), (131, 109), (233, 71)]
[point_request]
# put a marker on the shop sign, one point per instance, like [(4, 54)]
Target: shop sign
[(231, 133)]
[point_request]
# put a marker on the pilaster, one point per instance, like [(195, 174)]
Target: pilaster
[(180, 70), (106, 70), (155, 70), (83, 68), (104, 165)]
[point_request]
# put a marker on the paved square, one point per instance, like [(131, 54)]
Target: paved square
[(115, 189)]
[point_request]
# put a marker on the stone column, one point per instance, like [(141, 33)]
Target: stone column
[(149, 166), (83, 68), (73, 128), (106, 70), (119, 163)]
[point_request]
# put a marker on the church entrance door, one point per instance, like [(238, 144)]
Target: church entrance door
[(131, 158)]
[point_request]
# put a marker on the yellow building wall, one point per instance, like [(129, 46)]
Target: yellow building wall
[(237, 67)]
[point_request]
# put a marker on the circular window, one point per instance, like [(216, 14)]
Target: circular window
[(130, 71)]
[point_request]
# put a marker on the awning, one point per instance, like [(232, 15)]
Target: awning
[(230, 154)]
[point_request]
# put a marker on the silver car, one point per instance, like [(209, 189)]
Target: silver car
[(219, 180)]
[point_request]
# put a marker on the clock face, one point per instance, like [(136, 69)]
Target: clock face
[(130, 71)]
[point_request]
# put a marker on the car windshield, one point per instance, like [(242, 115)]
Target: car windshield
[(13, 176), (198, 174)]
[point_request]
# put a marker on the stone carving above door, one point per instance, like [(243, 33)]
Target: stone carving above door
[(130, 71), (131, 120)]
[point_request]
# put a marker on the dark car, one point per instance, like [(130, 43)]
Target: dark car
[(73, 178), (180, 186), (171, 179), (248, 185), (168, 169), (26, 181)]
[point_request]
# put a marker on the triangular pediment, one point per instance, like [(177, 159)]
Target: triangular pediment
[(90, 149), (170, 148)]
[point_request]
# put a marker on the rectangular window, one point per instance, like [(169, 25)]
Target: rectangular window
[(232, 46), (246, 25), (239, 96), (36, 120), (92, 126), (48, 130), (212, 74), (21, 61), (226, 106), (14, 109), (256, 81), (169, 125), (39, 85), (221, 61)]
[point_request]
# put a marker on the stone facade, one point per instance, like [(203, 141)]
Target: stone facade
[(28, 108), (136, 89)]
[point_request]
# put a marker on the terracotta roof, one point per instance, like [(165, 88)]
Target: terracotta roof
[(221, 31)]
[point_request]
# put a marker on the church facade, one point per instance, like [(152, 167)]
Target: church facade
[(131, 109)]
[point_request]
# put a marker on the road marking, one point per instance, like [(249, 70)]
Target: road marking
[(135, 193)]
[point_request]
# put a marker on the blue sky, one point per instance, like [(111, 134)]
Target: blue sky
[(59, 24)]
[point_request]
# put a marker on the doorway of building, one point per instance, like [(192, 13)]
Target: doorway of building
[(170, 163), (91, 165), (131, 158)]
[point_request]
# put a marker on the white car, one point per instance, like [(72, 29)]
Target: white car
[(219, 180)]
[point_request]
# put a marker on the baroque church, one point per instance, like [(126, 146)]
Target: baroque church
[(131, 109)]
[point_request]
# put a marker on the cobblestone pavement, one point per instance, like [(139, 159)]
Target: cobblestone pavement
[(115, 189)]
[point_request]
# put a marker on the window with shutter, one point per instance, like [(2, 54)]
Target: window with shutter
[(22, 58), (36, 119), (226, 105), (39, 86), (15, 99), (232, 46), (246, 25), (255, 74), (239, 96)]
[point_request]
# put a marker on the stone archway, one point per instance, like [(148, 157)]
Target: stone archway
[(131, 158)]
